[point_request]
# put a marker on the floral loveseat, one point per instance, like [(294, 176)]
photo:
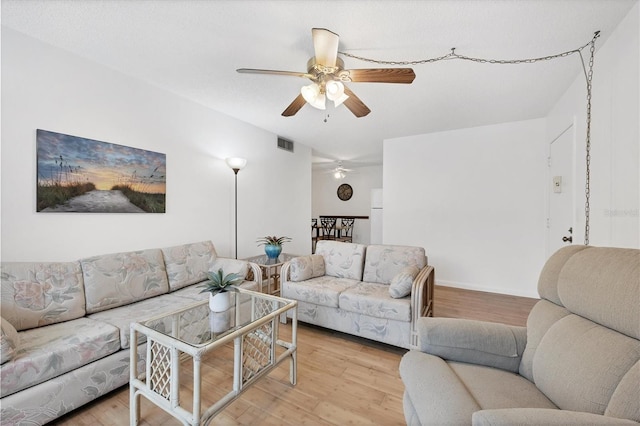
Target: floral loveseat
[(376, 291), (65, 325)]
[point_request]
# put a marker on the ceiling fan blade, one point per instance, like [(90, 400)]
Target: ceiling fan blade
[(325, 45), (354, 104), (382, 75), (273, 72), (294, 107)]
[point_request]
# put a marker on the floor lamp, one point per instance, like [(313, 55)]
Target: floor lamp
[(236, 164)]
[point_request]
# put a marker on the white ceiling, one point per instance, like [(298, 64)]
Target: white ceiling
[(192, 48)]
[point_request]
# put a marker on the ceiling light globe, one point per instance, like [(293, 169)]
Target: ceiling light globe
[(334, 89), (312, 95)]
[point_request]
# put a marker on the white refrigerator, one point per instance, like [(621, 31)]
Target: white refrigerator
[(375, 218)]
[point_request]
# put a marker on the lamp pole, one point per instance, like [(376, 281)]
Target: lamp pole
[(236, 164), (235, 171)]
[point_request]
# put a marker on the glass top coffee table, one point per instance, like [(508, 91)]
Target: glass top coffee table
[(193, 331)]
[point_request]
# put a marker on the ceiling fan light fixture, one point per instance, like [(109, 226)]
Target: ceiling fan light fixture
[(335, 92), (313, 95), (339, 174)]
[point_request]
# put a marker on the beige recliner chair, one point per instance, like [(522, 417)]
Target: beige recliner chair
[(577, 362)]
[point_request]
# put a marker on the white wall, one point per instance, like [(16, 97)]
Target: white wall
[(48, 88), (474, 199), (615, 139), (325, 200)]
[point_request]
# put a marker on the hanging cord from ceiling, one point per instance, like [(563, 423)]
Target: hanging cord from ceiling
[(588, 75)]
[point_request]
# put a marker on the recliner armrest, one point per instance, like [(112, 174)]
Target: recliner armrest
[(542, 416), (476, 342)]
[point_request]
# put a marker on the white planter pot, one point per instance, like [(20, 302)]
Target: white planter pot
[(219, 302), (220, 321)]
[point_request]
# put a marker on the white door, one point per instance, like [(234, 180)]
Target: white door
[(560, 181)]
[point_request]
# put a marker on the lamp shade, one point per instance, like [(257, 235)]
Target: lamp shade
[(312, 95), (236, 163), (335, 92)]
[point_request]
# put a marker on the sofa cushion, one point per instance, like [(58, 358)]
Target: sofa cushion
[(542, 316), (121, 317), (323, 291), (342, 260), (454, 391), (118, 279), (373, 299), (401, 284), (438, 396), (383, 262), (496, 388), (548, 280), (579, 364), (602, 284), (188, 263), (9, 341), (39, 293), (50, 351), (306, 267), (230, 266), (625, 401), (542, 416)]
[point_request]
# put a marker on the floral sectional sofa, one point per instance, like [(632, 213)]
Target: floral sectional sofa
[(65, 325), (376, 291)]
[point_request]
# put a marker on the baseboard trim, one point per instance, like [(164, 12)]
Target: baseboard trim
[(475, 287)]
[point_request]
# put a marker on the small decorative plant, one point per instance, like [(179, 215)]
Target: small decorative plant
[(220, 283), (273, 241)]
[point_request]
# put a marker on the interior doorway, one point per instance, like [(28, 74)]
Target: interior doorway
[(561, 190)]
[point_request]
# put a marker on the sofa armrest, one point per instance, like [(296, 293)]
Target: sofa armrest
[(542, 416), (421, 300), (284, 272), (254, 273), (257, 274), (476, 342)]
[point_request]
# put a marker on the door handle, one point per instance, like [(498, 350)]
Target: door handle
[(569, 239)]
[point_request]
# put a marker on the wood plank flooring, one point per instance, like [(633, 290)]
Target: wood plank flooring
[(342, 379)]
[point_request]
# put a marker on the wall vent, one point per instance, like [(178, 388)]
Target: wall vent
[(285, 144)]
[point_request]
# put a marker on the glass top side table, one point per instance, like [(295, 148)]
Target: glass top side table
[(271, 270)]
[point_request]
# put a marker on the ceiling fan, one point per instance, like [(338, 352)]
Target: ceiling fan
[(339, 172), (327, 73)]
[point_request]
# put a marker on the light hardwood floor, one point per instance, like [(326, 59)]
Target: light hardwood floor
[(342, 380)]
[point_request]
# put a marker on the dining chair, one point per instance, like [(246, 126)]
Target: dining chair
[(346, 230), (328, 225), (314, 234)]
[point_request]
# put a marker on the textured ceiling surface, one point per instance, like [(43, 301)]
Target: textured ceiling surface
[(192, 48)]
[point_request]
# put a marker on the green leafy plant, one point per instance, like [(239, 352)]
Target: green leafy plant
[(272, 241), (219, 283)]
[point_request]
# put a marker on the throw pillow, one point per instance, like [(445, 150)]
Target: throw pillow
[(8, 342), (306, 267), (231, 266), (317, 266), (400, 285)]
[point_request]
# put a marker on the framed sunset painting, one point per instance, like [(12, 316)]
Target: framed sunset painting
[(83, 175)]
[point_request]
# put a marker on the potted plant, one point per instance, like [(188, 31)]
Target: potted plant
[(219, 285), (272, 245)]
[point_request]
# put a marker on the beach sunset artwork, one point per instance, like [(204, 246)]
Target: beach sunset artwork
[(83, 175)]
